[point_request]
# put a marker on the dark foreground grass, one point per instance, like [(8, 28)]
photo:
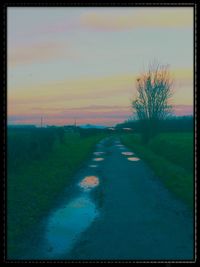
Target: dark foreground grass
[(170, 155), (33, 189)]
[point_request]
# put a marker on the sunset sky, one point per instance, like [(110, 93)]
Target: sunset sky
[(66, 63)]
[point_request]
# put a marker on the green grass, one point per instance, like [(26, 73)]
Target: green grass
[(170, 155), (176, 147), (33, 189)]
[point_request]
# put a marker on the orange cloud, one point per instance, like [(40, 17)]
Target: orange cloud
[(159, 17), (92, 98), (74, 93)]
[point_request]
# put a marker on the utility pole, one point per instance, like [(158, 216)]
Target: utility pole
[(75, 122), (41, 121)]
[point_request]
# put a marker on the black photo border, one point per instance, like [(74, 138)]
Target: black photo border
[(3, 131)]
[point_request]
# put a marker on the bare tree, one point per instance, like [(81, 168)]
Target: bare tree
[(154, 89)]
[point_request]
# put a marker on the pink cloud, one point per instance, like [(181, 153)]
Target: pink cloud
[(92, 115), (104, 115), (181, 110), (63, 121), (37, 53)]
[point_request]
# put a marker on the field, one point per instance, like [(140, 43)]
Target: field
[(170, 155), (40, 165)]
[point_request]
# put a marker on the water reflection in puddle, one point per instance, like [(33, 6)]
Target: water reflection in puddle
[(89, 182), (133, 158), (127, 153), (93, 166), (98, 159), (98, 153), (66, 224)]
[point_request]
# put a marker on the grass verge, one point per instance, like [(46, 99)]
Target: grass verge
[(171, 158), (32, 191)]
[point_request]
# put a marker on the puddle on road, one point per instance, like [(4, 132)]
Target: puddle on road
[(66, 224), (98, 159), (98, 153), (117, 143), (93, 166), (120, 146), (127, 153), (100, 144), (133, 158), (89, 182)]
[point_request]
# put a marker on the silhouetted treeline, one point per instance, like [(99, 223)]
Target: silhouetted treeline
[(91, 131), (172, 124), (31, 143)]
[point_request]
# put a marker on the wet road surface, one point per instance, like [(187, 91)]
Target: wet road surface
[(118, 210)]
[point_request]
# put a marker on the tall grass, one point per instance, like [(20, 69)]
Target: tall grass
[(41, 164), (175, 147)]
